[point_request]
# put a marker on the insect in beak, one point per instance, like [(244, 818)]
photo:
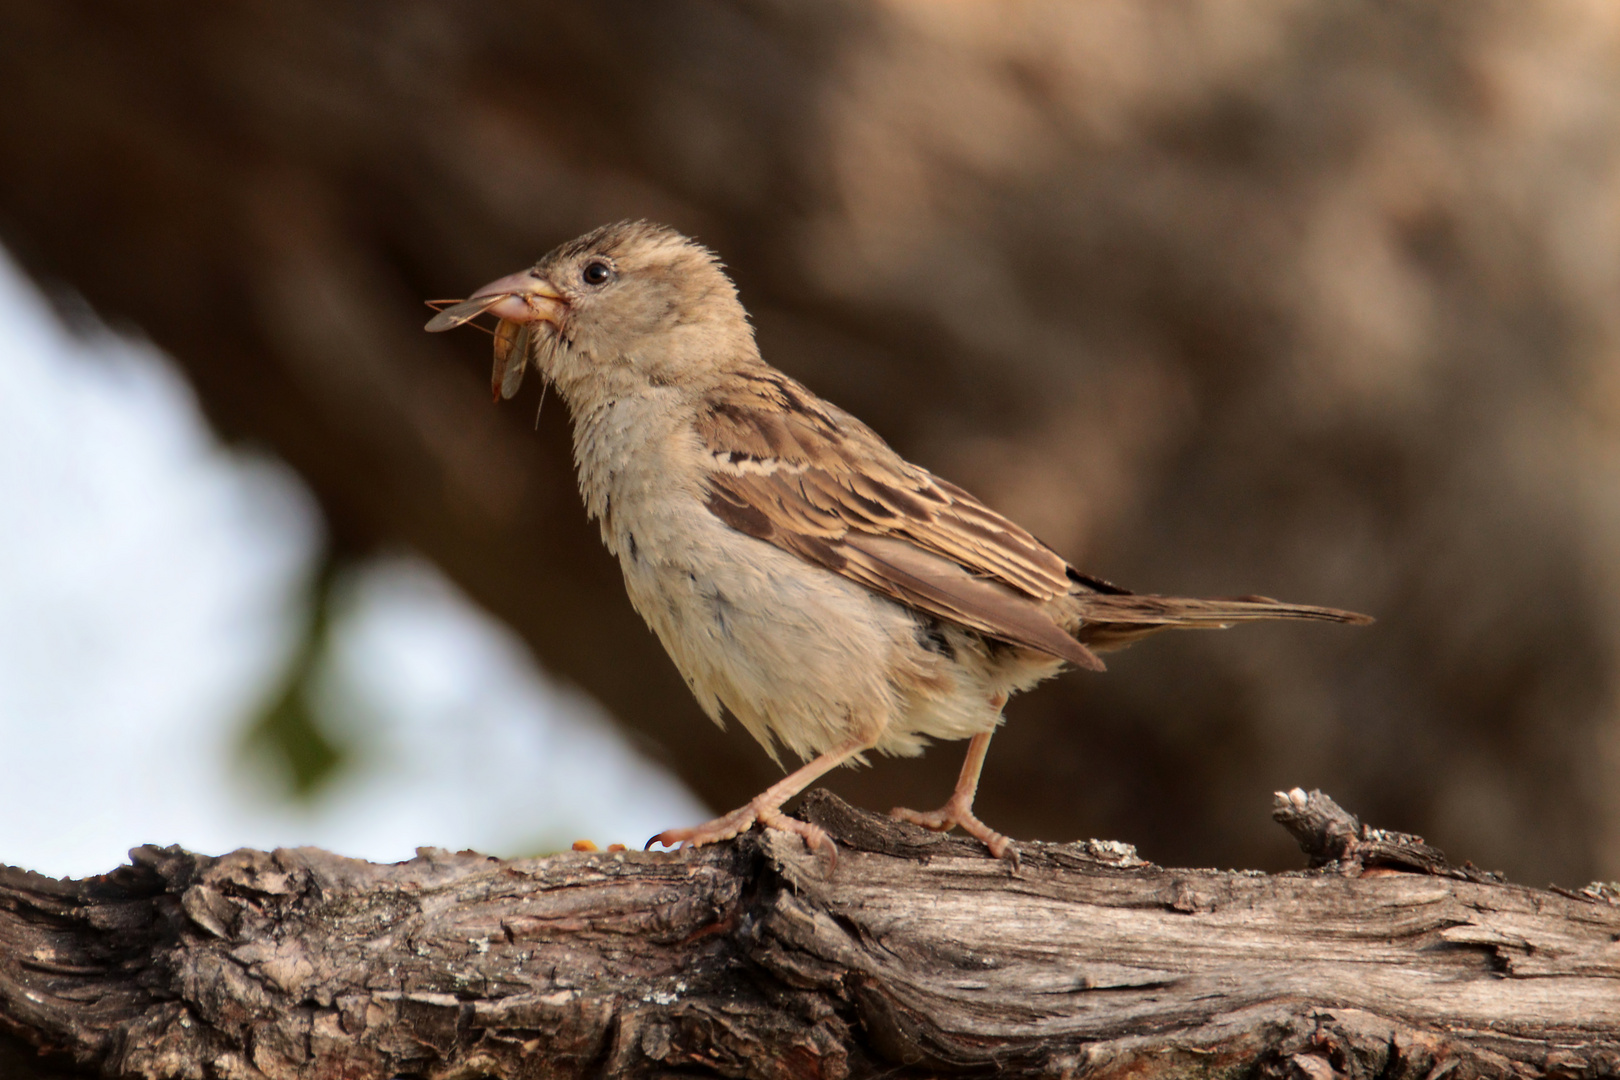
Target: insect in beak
[(518, 300)]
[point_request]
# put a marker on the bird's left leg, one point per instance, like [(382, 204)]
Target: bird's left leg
[(766, 807), (958, 809)]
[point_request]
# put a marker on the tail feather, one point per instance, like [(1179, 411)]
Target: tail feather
[(1114, 621)]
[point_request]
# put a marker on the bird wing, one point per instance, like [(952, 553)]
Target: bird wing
[(792, 470)]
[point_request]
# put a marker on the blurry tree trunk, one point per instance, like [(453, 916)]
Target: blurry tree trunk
[(914, 955), (1310, 301)]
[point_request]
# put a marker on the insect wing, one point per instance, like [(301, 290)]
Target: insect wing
[(511, 358), (457, 314)]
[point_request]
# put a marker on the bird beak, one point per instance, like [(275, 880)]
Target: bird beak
[(521, 298)]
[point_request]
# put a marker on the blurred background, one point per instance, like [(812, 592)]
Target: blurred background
[(1320, 301)]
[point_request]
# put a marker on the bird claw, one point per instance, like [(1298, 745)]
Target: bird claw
[(815, 837), (957, 814), (710, 832), (740, 820)]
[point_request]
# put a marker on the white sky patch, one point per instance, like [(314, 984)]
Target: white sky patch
[(150, 591)]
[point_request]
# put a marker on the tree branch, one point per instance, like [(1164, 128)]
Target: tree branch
[(913, 954)]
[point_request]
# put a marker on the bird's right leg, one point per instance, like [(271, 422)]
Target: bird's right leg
[(958, 810), (766, 807)]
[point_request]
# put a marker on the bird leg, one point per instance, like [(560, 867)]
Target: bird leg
[(766, 807), (958, 809)]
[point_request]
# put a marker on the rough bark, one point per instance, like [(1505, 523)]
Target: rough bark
[(912, 954)]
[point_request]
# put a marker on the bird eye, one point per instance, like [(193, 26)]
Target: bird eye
[(597, 272)]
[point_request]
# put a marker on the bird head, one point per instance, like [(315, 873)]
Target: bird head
[(624, 304)]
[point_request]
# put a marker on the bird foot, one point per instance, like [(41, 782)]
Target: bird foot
[(958, 813), (740, 820)]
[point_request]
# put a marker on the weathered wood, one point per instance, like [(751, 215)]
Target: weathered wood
[(913, 954)]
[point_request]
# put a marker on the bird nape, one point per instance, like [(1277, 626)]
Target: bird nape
[(833, 597)]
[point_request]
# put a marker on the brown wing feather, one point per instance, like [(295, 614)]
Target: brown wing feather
[(794, 471), (939, 586), (1112, 622)]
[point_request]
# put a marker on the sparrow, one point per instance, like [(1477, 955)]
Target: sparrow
[(833, 597)]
